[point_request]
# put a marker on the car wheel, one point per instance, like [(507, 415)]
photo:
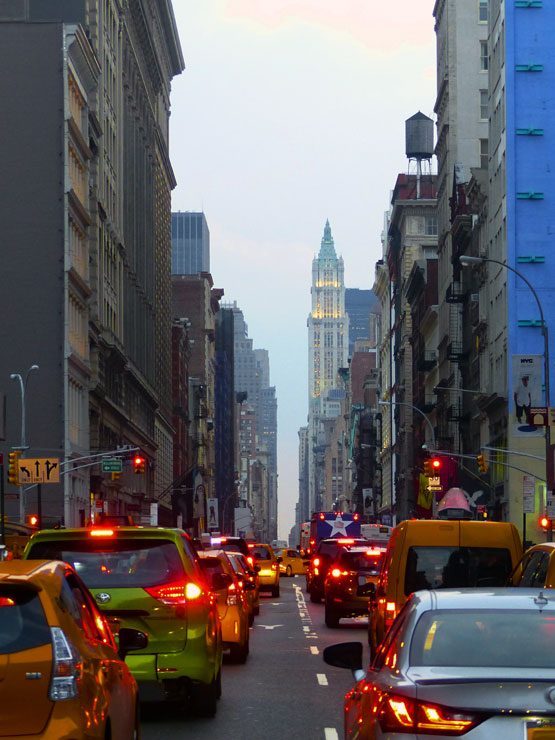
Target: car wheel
[(331, 617), (289, 571), (239, 653), (251, 619), (205, 699), (275, 590)]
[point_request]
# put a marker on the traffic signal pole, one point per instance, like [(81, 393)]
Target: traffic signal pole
[(2, 513)]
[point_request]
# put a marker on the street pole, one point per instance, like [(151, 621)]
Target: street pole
[(23, 445), (415, 408), (2, 512), (468, 260)]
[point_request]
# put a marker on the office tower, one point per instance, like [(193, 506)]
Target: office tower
[(358, 305), (190, 243)]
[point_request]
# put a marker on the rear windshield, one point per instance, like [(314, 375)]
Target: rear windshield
[(456, 567), (23, 624), (116, 563), (211, 565), (362, 561), (443, 637), (261, 552)]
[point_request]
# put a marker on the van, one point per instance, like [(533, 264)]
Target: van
[(430, 553)]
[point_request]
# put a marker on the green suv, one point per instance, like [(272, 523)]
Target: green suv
[(149, 579)]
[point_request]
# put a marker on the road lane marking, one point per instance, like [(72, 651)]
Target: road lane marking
[(306, 628), (269, 626), (314, 650), (322, 679), (330, 733)]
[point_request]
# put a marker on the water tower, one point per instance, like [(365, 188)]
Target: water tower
[(419, 139)]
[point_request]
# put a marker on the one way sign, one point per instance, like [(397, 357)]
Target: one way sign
[(39, 470)]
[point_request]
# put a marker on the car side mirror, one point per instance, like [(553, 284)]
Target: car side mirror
[(344, 655), (257, 569), (279, 559), (130, 639), (221, 581)]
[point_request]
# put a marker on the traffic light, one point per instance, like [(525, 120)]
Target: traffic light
[(436, 466), (139, 464), (13, 467), (482, 464), (545, 522), (116, 475), (32, 520), (428, 468)]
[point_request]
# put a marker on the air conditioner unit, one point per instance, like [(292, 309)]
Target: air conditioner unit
[(475, 297)]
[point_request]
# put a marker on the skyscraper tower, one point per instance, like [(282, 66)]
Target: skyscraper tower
[(328, 345)]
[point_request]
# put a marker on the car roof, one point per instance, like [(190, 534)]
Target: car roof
[(486, 598), (85, 533), (23, 569)]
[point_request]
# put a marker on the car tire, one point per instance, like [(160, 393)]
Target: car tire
[(251, 619), (239, 653), (331, 617), (205, 699), (289, 569), (275, 590)]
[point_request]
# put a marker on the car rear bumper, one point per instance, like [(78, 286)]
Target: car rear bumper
[(170, 666), (67, 722)]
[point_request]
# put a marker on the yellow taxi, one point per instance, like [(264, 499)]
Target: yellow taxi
[(233, 607), (61, 674), (291, 564), (268, 563), (536, 569)]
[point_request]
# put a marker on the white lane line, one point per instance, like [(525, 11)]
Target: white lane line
[(306, 628), (322, 679), (314, 650), (330, 733)]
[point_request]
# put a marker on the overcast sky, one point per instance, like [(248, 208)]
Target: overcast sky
[(290, 112)]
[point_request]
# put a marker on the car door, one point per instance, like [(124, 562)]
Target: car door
[(534, 572)]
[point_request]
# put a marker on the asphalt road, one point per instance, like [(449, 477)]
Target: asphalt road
[(285, 690)]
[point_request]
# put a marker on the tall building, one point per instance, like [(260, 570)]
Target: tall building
[(358, 305), (190, 243), (88, 243), (328, 345)]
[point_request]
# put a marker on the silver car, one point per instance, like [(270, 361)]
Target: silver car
[(458, 663)]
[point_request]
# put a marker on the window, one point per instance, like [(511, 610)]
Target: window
[(431, 225), (483, 11), (483, 153), (483, 105), (484, 66)]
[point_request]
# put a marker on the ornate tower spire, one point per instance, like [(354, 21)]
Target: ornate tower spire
[(327, 246)]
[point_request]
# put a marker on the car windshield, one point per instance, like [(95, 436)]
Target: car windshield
[(480, 638), (23, 624), (456, 567), (116, 563), (261, 552)]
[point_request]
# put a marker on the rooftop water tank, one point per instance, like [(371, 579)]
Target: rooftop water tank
[(419, 137)]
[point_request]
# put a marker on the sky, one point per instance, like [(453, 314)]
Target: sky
[(291, 112)]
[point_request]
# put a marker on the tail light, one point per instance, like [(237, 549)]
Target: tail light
[(337, 573), (231, 595), (275, 566), (389, 614), (175, 594), (346, 541), (66, 667), (250, 560), (102, 533), (400, 714)]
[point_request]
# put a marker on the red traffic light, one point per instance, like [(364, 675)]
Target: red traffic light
[(32, 520), (139, 464), (545, 522), (436, 464)]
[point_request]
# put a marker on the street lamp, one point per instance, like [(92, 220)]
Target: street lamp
[(415, 408), (23, 445), (466, 259)]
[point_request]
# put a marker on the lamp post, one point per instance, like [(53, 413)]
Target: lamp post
[(23, 445), (465, 259), (415, 408)]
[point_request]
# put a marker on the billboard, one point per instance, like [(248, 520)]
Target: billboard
[(526, 383), (212, 505)]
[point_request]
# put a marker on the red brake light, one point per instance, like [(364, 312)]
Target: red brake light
[(399, 714), (102, 533), (250, 545), (176, 593), (250, 561), (316, 561), (336, 573), (355, 517), (5, 601), (346, 541), (322, 516)]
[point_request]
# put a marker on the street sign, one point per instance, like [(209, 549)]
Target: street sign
[(539, 416), (434, 481), (528, 494), (550, 508), (114, 465), (39, 470), (434, 488)]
